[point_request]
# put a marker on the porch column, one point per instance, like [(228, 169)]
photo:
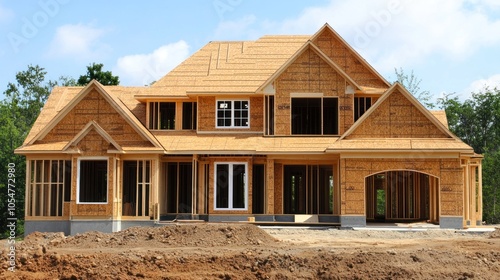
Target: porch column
[(194, 186), (117, 188), (466, 193), (472, 196), (269, 194), (479, 217)]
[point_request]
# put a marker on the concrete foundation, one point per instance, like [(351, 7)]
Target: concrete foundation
[(46, 226), (450, 222), (352, 221), (81, 226)]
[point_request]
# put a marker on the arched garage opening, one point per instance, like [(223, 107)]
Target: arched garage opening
[(402, 196)]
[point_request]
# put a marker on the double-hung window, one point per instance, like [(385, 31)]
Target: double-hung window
[(231, 186), (233, 113)]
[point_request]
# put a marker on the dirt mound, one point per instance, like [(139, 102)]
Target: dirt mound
[(241, 251), (496, 233), (178, 235)]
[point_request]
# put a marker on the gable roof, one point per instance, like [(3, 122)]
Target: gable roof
[(57, 115), (337, 36), (92, 125), (309, 46), (246, 67), (401, 89)]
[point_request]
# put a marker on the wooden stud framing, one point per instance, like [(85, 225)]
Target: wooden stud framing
[(45, 192)]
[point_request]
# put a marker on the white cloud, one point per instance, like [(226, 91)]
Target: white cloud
[(78, 41), (142, 69), (486, 4), (396, 33), (478, 85)]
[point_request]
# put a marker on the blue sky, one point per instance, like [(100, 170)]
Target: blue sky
[(451, 45)]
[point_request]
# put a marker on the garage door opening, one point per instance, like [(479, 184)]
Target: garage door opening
[(405, 196)]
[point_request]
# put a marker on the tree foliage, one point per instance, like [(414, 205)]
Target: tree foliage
[(24, 101), (477, 122), (95, 72), (412, 84), (491, 187)]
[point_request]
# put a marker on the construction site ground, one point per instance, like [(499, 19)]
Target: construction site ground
[(244, 251)]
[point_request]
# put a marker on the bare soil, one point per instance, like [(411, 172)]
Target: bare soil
[(243, 251)]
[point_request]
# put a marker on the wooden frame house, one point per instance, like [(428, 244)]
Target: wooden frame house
[(284, 129)]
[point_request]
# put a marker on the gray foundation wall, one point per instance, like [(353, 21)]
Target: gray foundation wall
[(282, 218), (451, 222), (46, 226), (75, 227), (352, 221), (106, 226)]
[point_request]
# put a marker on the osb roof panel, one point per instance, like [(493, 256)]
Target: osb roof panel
[(400, 144), (441, 117), (59, 146), (240, 143), (45, 147), (442, 144), (60, 97), (231, 66)]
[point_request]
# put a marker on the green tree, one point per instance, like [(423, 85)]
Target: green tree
[(66, 81), (24, 101), (477, 122), (412, 84), (95, 72), (491, 187)]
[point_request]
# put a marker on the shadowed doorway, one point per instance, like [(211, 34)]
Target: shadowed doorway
[(402, 195)]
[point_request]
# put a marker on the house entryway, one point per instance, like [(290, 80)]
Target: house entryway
[(308, 189), (176, 196), (402, 195)]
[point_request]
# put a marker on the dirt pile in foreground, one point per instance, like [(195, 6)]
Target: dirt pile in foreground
[(186, 235), (496, 233), (240, 251)]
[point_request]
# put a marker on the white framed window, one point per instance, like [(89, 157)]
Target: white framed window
[(233, 114), (231, 186), (92, 181)]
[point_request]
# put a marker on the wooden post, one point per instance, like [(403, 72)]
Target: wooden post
[(194, 186), (269, 187), (117, 209), (480, 192), (466, 191), (472, 196)]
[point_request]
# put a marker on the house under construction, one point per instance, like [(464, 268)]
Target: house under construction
[(284, 129)]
